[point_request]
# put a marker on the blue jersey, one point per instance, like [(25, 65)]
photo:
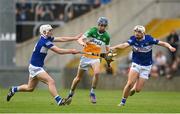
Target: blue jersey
[(142, 50), (40, 51)]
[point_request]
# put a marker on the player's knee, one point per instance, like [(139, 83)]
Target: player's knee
[(96, 74), (130, 84), (78, 79), (51, 82)]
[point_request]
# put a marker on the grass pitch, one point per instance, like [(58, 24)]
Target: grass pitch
[(40, 101)]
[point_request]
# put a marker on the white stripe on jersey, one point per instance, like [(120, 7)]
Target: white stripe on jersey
[(48, 43), (142, 49), (44, 50)]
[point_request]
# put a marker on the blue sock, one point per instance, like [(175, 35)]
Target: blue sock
[(123, 101), (57, 99), (15, 89)]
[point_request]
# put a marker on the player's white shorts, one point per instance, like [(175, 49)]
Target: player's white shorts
[(34, 71), (85, 62), (143, 71)]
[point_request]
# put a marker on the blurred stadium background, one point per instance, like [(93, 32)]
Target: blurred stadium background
[(20, 20)]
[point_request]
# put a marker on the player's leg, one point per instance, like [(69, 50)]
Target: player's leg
[(140, 84), (28, 87), (83, 66), (132, 77), (143, 76), (45, 78), (33, 81), (23, 88), (74, 84), (77, 79), (133, 90), (96, 69)]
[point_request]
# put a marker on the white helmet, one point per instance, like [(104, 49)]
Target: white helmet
[(45, 28), (139, 28)]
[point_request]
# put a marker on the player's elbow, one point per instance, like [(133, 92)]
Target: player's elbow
[(122, 46), (58, 51), (165, 44)]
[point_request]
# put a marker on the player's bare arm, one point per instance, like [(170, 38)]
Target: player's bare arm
[(82, 41), (120, 46), (167, 45), (65, 39), (64, 51), (107, 48)]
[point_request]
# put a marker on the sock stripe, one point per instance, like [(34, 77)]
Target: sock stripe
[(58, 99)]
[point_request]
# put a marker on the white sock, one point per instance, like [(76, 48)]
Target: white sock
[(92, 90)]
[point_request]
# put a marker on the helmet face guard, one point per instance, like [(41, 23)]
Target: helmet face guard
[(102, 21), (45, 28), (139, 28)]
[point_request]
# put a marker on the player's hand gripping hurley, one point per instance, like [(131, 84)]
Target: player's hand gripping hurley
[(107, 56)]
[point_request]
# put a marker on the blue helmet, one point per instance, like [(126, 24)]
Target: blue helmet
[(102, 21)]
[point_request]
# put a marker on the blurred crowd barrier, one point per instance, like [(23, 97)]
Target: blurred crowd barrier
[(30, 14)]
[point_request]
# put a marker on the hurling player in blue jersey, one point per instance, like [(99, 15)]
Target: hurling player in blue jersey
[(141, 60), (36, 71)]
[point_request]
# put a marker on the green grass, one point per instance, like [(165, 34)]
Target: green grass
[(40, 101)]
